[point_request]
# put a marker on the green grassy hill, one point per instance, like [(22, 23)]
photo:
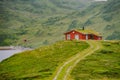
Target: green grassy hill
[(40, 63), (43, 22), (104, 64), (34, 20), (105, 18), (100, 16)]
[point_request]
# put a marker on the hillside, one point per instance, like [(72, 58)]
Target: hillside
[(105, 18), (34, 20), (100, 16), (43, 62), (40, 63), (43, 22), (104, 64)]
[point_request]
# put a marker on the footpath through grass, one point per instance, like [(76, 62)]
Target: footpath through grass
[(63, 71), (40, 63), (104, 64)]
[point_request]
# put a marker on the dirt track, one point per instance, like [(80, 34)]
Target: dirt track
[(63, 72)]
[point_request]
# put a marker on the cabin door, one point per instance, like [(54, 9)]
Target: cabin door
[(76, 36), (86, 36), (92, 37)]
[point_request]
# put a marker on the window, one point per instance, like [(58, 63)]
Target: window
[(86, 36), (68, 36)]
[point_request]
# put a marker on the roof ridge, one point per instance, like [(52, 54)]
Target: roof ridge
[(88, 31)]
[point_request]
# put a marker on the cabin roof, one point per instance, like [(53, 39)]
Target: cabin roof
[(87, 31)]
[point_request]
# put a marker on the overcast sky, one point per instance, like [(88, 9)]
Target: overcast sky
[(100, 0)]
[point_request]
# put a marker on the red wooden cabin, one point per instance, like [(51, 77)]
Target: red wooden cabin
[(82, 35)]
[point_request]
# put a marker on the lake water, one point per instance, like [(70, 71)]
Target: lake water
[(7, 53)]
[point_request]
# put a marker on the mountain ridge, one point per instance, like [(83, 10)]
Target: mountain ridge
[(41, 25)]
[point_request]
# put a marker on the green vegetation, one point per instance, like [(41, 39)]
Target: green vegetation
[(35, 20), (39, 63), (87, 31), (115, 35), (64, 70), (100, 15), (41, 20), (5, 38), (103, 64)]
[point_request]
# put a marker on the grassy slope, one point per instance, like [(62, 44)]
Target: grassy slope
[(106, 20), (34, 20), (103, 64), (64, 70), (102, 17), (44, 24), (39, 63)]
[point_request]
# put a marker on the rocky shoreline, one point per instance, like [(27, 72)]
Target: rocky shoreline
[(6, 48)]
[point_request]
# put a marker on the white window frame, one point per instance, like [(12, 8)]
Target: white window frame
[(86, 36), (68, 36)]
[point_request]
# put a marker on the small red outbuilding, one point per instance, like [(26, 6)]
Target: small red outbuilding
[(81, 34)]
